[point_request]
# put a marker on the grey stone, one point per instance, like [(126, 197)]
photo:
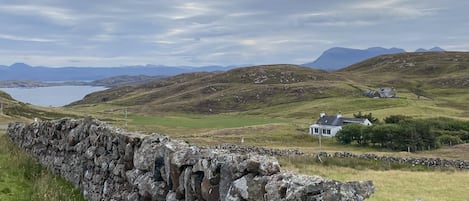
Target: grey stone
[(90, 152), (238, 190), (171, 196), (133, 197), (150, 149)]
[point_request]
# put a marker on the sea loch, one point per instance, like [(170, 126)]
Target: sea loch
[(55, 96)]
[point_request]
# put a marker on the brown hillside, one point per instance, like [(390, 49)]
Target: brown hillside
[(425, 64), (437, 69), (235, 90)]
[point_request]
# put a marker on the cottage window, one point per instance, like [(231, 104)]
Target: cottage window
[(328, 131), (316, 130), (323, 131)]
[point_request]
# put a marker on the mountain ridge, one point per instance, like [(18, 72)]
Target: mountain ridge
[(340, 57), (22, 71)]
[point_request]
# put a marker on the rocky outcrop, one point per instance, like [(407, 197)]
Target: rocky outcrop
[(107, 163)]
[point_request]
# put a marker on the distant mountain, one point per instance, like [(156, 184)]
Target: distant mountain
[(421, 50), (434, 49), (340, 57), (21, 71), (125, 80)]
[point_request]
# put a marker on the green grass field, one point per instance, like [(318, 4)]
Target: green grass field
[(202, 121), (397, 185), (22, 179)]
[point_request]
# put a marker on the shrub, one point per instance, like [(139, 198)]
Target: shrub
[(394, 119), (353, 132), (449, 140)]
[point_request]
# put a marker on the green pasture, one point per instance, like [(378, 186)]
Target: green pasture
[(201, 121), (392, 184), (441, 105), (22, 179)]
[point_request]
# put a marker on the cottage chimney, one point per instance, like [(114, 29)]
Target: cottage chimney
[(322, 114)]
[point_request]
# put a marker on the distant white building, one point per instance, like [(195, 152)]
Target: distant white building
[(328, 125)]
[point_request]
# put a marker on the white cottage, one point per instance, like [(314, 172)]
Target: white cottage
[(329, 125)]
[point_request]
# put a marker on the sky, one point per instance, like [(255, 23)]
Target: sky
[(213, 32)]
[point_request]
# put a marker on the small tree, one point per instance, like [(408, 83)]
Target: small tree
[(385, 135), (368, 116), (353, 132)]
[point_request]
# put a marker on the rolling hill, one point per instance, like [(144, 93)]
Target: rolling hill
[(235, 90), (438, 76), (434, 69)]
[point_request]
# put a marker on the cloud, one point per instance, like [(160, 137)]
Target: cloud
[(394, 8), (365, 13), (55, 14), (25, 39), (219, 32), (192, 9)]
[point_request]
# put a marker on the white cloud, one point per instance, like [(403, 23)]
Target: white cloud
[(25, 39), (219, 32), (248, 42), (188, 10), (55, 14), (395, 8)]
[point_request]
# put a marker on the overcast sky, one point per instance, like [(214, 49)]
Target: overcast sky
[(215, 32)]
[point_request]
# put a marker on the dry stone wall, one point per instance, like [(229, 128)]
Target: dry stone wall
[(108, 163), (429, 162), (243, 149)]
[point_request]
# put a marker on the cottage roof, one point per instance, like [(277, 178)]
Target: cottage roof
[(334, 120)]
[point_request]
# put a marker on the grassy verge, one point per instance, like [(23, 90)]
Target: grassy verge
[(201, 121), (21, 178), (392, 182)]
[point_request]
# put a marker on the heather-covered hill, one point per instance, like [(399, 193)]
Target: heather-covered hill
[(235, 90), (436, 69), (439, 76)]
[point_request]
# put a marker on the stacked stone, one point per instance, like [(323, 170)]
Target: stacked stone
[(111, 164), (429, 162), (244, 149)]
